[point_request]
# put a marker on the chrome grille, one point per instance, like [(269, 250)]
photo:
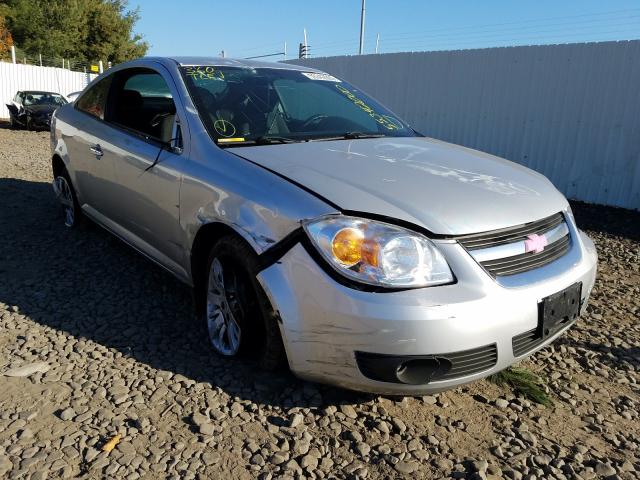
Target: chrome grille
[(503, 252)]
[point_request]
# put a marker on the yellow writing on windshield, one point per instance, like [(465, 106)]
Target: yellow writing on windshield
[(386, 121), (224, 128), (204, 73)]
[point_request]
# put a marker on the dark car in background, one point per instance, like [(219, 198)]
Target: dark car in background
[(33, 109)]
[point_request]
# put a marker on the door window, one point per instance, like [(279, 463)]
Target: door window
[(142, 102), (94, 100)]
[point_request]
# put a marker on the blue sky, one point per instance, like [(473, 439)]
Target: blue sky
[(253, 27)]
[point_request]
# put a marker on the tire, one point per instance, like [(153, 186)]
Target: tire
[(233, 295), (66, 195)]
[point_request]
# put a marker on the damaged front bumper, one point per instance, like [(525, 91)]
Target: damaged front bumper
[(379, 342)]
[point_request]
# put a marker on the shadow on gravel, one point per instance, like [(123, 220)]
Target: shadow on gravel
[(618, 222), (89, 284), (615, 357)]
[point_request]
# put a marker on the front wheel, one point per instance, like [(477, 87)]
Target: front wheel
[(238, 316)]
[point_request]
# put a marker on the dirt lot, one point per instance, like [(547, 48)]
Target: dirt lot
[(112, 348)]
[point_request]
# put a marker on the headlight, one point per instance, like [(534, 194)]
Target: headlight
[(378, 253)]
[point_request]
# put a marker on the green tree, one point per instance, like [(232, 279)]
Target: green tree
[(80, 29)]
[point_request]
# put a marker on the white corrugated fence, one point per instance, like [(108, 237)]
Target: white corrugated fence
[(15, 77), (572, 111)]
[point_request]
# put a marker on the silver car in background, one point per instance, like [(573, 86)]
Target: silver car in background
[(319, 229)]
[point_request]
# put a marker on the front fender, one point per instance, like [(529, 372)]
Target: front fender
[(259, 206)]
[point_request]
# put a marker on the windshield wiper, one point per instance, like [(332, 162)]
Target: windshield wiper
[(355, 135), (270, 139), (349, 136)]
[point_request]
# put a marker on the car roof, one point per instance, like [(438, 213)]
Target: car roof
[(232, 62)]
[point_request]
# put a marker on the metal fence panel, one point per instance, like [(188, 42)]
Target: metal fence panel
[(571, 112), (15, 77)]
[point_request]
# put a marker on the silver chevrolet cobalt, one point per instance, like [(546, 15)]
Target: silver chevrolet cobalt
[(319, 229)]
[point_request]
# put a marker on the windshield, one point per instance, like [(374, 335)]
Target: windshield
[(43, 98), (240, 105)]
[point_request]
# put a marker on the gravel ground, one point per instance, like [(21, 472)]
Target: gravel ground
[(96, 341)]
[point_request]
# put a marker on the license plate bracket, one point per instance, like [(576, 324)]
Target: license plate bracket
[(559, 310)]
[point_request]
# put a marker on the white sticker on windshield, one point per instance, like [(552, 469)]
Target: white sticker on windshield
[(320, 76)]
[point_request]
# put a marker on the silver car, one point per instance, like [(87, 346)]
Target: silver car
[(319, 229)]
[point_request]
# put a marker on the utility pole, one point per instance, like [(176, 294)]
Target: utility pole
[(40, 56), (306, 45), (303, 48), (377, 42), (13, 54), (362, 27)]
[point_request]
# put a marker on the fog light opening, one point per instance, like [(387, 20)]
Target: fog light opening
[(422, 370)]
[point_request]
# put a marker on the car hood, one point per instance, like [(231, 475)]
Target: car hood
[(445, 188)]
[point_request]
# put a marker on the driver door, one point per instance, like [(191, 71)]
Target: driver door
[(145, 146)]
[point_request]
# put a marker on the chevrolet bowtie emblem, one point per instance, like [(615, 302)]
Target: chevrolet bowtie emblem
[(535, 243)]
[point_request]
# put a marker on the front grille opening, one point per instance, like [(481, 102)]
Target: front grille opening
[(510, 234), (523, 262), (527, 261)]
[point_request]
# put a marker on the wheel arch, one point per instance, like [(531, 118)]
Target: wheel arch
[(57, 165), (205, 237)]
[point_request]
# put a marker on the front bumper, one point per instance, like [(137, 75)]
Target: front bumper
[(41, 122), (324, 324)]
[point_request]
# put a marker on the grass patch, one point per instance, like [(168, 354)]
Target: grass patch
[(523, 382)]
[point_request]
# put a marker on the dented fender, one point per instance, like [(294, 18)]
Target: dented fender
[(260, 206)]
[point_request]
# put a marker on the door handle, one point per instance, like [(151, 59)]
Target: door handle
[(96, 150)]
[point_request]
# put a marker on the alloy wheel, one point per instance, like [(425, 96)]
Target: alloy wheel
[(223, 307)]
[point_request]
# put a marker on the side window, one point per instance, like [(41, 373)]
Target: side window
[(142, 102), (94, 100)]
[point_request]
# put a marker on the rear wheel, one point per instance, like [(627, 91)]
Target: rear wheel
[(238, 316), (65, 194)]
